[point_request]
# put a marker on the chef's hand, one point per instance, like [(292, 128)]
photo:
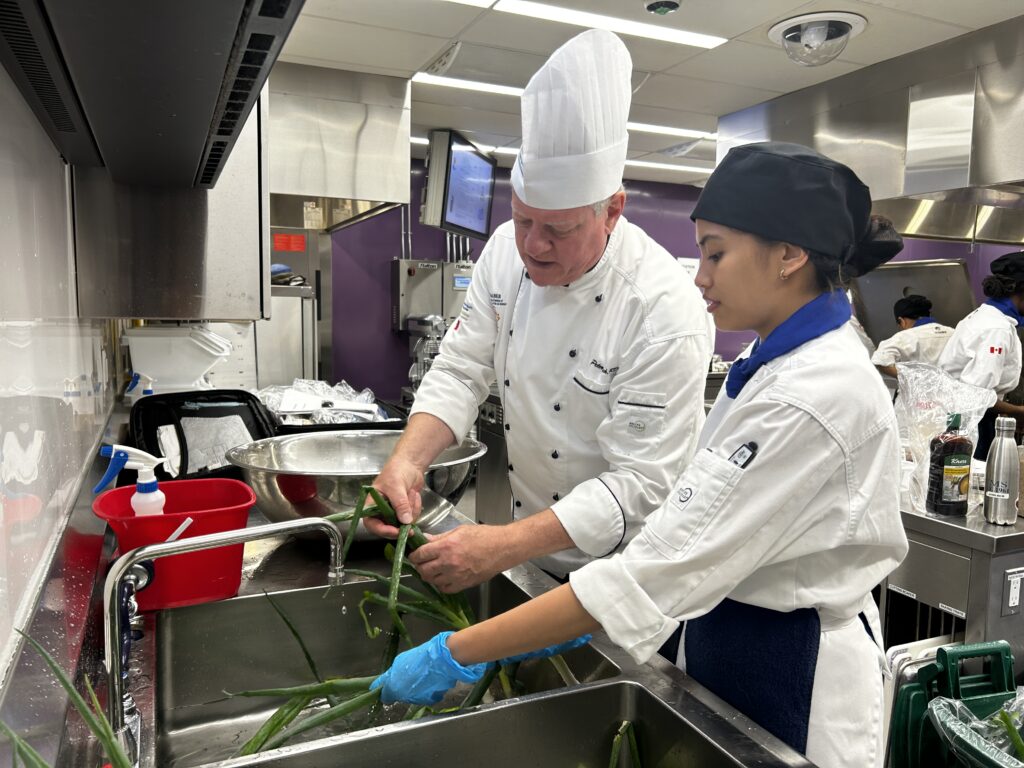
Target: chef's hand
[(551, 650), (462, 558), (422, 675), (401, 482)]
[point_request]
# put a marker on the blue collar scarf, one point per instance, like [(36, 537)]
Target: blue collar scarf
[(815, 318), (924, 321), (1007, 307)]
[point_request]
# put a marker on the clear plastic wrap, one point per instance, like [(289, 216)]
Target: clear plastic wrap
[(975, 742), (321, 403), (927, 394)]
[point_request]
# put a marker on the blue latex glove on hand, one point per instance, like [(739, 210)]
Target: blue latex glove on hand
[(422, 675), (551, 650)]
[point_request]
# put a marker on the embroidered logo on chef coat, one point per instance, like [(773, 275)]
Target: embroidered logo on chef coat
[(497, 300), (995, 350), (681, 497), (636, 426)]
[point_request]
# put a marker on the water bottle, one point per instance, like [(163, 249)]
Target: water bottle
[(1002, 475)]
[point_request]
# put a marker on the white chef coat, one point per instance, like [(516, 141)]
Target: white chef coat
[(984, 351), (811, 522), (601, 381), (920, 344)]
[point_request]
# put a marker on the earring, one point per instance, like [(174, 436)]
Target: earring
[(783, 275)]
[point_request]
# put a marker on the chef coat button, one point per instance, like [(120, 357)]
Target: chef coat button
[(599, 298), (508, 427), (572, 353), (509, 467), (519, 503), (506, 382), (558, 406), (509, 331), (554, 454), (555, 497)]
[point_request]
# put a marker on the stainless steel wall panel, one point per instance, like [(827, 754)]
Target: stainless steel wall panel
[(339, 134), (999, 121), (940, 126), (170, 253)]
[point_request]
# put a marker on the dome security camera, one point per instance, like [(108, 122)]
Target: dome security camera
[(816, 38), (661, 7)]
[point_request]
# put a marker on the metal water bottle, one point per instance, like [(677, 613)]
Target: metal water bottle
[(1002, 475)]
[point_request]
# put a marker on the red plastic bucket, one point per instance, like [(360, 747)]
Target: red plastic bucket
[(215, 505)]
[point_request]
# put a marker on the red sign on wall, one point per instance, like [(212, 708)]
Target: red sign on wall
[(284, 242)]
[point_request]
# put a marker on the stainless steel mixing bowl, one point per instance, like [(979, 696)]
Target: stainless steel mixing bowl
[(319, 473)]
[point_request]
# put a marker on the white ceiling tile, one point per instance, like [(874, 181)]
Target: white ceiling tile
[(495, 65), (329, 40), (696, 121), (698, 95), (759, 66), (888, 34), (464, 118), (975, 15), (724, 18), (655, 55), (507, 30), (437, 19), (456, 97)]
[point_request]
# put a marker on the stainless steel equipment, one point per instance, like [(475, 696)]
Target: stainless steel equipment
[(944, 281), (416, 289), (493, 492), (177, 253), (941, 124), (320, 473), (425, 334), (286, 343), (121, 710), (457, 276), (1002, 475)]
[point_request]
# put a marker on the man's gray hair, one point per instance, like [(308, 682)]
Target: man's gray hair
[(602, 205)]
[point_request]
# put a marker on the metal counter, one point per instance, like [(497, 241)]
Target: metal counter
[(967, 568)]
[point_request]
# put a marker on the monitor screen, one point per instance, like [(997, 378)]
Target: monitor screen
[(467, 203)]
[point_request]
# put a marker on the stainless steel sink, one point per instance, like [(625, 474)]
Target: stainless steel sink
[(563, 729), (242, 644)]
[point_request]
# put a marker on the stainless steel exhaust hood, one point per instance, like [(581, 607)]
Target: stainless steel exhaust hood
[(339, 146), (936, 133), (156, 92)]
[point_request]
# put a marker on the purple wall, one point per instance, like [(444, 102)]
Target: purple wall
[(368, 354)]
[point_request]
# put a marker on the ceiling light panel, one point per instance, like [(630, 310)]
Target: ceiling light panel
[(599, 21), (468, 85)]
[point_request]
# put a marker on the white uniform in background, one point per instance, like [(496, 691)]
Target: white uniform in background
[(984, 351), (601, 381), (812, 522), (920, 344)]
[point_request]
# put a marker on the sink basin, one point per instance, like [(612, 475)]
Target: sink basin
[(242, 644), (562, 729)]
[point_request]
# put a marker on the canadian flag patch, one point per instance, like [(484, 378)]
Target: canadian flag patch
[(995, 350)]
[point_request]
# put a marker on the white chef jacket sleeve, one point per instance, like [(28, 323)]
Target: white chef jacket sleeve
[(986, 355), (889, 352), (462, 373), (721, 523), (650, 433)]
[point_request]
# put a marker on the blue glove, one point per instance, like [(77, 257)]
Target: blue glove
[(422, 675), (551, 650)]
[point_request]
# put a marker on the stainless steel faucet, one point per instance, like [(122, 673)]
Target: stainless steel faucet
[(121, 710)]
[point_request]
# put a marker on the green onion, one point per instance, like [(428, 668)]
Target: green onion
[(337, 685), (324, 717), (476, 695), (273, 725), (22, 749), (396, 577), (563, 670), (1011, 730)]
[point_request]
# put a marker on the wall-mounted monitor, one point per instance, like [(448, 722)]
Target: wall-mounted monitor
[(460, 186)]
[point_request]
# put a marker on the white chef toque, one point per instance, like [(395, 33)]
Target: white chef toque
[(574, 111)]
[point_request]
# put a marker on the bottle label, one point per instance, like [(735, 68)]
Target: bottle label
[(998, 489), (956, 470)]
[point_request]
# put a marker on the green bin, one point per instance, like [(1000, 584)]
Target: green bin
[(913, 740)]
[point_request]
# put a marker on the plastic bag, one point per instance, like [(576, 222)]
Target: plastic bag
[(325, 404), (927, 395), (975, 742)]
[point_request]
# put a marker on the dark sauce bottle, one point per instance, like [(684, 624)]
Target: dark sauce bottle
[(949, 470)]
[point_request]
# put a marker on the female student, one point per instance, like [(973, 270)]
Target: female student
[(775, 534)]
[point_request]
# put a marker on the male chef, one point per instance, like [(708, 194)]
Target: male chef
[(596, 337)]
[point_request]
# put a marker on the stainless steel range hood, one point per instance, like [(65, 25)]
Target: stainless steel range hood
[(339, 146), (156, 92), (936, 133)]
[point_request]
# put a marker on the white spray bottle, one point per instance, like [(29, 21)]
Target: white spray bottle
[(147, 499)]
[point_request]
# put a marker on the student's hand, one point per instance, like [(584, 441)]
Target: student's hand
[(422, 675)]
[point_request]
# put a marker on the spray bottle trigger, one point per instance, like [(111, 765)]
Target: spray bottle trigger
[(118, 461)]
